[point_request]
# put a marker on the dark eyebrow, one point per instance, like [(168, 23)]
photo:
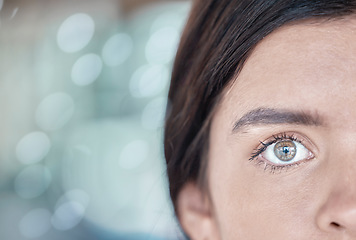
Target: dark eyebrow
[(274, 116)]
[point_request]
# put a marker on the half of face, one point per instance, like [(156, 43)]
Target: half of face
[(282, 156)]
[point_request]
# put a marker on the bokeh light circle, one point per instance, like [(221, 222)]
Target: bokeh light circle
[(68, 215), (54, 111), (33, 147), (35, 223), (154, 113), (149, 80), (117, 49), (133, 154), (33, 181), (75, 32), (75, 195), (161, 46), (86, 69)]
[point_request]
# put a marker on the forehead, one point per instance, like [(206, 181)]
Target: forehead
[(300, 67)]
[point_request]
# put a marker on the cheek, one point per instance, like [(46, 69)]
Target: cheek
[(253, 204)]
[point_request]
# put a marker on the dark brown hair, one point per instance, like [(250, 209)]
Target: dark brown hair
[(217, 40)]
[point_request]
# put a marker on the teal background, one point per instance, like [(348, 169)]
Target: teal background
[(83, 88)]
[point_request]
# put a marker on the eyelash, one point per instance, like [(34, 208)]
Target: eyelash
[(263, 146)]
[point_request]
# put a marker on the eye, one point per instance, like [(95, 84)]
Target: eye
[(283, 151), (286, 152)]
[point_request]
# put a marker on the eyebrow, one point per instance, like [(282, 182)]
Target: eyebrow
[(270, 116)]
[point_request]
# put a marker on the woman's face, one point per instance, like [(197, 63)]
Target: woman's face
[(282, 156)]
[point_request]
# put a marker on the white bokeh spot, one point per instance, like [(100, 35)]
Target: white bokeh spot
[(133, 154), (33, 147), (54, 111), (154, 113), (68, 215), (33, 181), (75, 32), (162, 45), (75, 195), (86, 69), (35, 224), (149, 80), (117, 49)]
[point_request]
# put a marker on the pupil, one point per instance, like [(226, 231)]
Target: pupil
[(286, 150)]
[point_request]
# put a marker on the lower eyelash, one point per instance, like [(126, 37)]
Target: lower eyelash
[(275, 169)]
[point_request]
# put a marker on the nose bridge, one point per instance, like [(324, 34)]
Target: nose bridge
[(342, 159), (343, 156), (350, 177), (344, 186), (346, 167)]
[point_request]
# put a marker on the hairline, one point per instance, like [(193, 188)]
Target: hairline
[(203, 178)]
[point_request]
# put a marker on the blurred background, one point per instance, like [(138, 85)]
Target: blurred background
[(83, 88)]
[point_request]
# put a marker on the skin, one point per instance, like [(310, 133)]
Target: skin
[(308, 68)]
